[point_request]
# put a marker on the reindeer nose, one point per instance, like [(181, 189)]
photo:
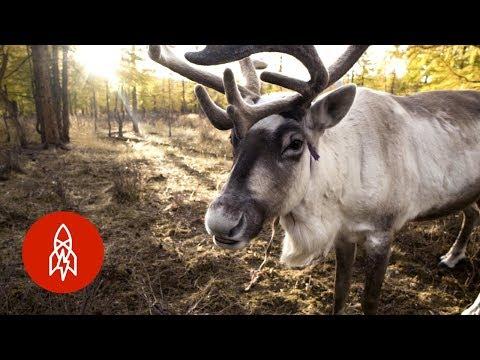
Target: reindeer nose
[(224, 224)]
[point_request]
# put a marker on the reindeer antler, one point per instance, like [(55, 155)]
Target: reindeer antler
[(345, 62), (221, 54), (243, 111), (245, 115)]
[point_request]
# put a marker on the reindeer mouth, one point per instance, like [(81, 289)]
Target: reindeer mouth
[(228, 243)]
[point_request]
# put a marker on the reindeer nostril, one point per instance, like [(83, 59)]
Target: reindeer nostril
[(234, 231)]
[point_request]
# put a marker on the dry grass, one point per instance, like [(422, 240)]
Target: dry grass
[(148, 197), (127, 183)]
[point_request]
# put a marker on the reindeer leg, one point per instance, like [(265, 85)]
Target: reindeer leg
[(377, 250), (471, 216), (345, 257), (474, 309)]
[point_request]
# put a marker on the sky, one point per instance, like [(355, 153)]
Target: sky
[(104, 60)]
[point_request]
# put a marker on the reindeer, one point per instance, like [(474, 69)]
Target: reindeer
[(473, 309), (350, 168)]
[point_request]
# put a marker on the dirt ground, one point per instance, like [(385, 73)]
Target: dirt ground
[(148, 197)]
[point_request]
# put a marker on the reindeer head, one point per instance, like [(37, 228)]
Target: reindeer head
[(273, 137)]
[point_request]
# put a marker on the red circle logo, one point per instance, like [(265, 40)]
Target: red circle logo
[(62, 252)]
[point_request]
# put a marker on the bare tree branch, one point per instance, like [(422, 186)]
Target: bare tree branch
[(18, 66), (3, 65)]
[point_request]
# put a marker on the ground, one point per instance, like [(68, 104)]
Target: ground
[(148, 196)]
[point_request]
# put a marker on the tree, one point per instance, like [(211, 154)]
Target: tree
[(65, 103), (56, 90), (8, 137), (131, 78), (39, 126), (183, 109), (119, 116), (43, 93), (107, 97), (366, 70), (94, 107), (11, 105), (436, 67)]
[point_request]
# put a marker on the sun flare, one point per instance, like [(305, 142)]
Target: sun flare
[(397, 66), (100, 60)]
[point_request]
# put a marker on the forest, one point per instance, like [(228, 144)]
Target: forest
[(135, 154), (39, 80)]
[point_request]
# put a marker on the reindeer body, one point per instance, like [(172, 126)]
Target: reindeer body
[(384, 160), (390, 160)]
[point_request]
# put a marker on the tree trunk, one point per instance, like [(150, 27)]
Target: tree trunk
[(44, 93), (364, 71), (392, 87), (65, 102), (56, 91), (184, 101), (73, 104), (94, 108), (39, 127), (108, 109), (11, 107), (134, 111), (16, 123), (122, 120), (6, 126), (118, 117), (134, 99)]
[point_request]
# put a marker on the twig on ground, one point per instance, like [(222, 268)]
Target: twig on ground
[(158, 307), (206, 291), (192, 195)]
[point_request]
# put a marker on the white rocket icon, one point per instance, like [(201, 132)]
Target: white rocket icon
[(62, 257)]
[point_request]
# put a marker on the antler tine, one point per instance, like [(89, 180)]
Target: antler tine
[(217, 116), (319, 76), (245, 115), (164, 55), (250, 74), (287, 82), (345, 62)]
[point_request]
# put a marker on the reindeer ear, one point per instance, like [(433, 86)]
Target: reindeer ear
[(331, 108)]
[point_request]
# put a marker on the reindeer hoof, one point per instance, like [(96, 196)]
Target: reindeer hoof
[(444, 265), (450, 261), (472, 310)]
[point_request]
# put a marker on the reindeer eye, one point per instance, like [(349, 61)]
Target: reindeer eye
[(293, 148), (295, 145)]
